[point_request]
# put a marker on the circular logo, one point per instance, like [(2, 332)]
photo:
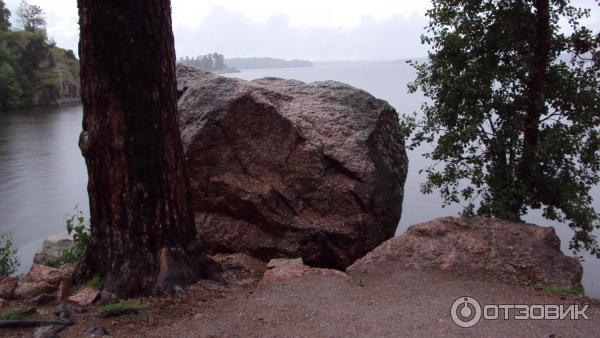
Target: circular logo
[(466, 312)]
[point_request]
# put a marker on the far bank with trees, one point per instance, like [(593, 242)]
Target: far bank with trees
[(216, 63), (33, 70)]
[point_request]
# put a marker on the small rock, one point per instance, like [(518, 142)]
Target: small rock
[(42, 273), (67, 270), (240, 262), (8, 286), (97, 331), (63, 314), (282, 273), (285, 269), (85, 297), (53, 249), (277, 262), (43, 332), (48, 331), (43, 298), (64, 289), (327, 272), (43, 311), (31, 289), (42, 279), (75, 308), (282, 269)]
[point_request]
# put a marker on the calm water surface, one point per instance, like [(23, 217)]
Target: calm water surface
[(43, 176)]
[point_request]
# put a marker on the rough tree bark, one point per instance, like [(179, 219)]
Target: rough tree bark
[(143, 237), (535, 95)]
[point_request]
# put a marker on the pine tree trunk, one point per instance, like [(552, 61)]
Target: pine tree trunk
[(143, 234), (535, 96)]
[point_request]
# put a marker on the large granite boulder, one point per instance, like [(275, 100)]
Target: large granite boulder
[(280, 168), (519, 252)]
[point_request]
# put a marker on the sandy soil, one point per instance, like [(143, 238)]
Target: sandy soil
[(389, 302)]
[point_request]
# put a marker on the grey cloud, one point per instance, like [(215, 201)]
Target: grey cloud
[(234, 35)]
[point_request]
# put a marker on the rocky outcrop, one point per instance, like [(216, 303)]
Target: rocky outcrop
[(280, 168), (58, 89), (42, 279), (53, 249), (511, 251), (52, 276), (7, 287), (286, 269), (59, 79), (28, 289)]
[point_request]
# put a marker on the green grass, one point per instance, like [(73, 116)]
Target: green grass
[(16, 313), (54, 263), (94, 283), (576, 289), (120, 308)]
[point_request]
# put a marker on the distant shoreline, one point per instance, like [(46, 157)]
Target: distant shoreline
[(266, 63), (66, 103), (229, 70)]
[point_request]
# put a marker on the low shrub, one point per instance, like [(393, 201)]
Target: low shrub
[(16, 313), (9, 261), (576, 289), (120, 308)]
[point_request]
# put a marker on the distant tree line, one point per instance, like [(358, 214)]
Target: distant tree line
[(210, 62), (266, 62), (30, 63), (217, 62)]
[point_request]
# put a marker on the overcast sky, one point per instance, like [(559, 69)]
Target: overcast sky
[(306, 29)]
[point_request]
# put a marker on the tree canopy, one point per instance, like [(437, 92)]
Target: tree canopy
[(31, 17), (4, 17), (514, 110), (32, 69), (214, 61)]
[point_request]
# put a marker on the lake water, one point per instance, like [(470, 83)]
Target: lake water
[(43, 176)]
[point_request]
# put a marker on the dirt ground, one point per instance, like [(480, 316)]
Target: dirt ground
[(388, 302)]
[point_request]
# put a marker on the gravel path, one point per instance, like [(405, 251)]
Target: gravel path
[(387, 303)]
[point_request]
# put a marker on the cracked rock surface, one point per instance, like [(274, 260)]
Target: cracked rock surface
[(280, 168), (513, 252)]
